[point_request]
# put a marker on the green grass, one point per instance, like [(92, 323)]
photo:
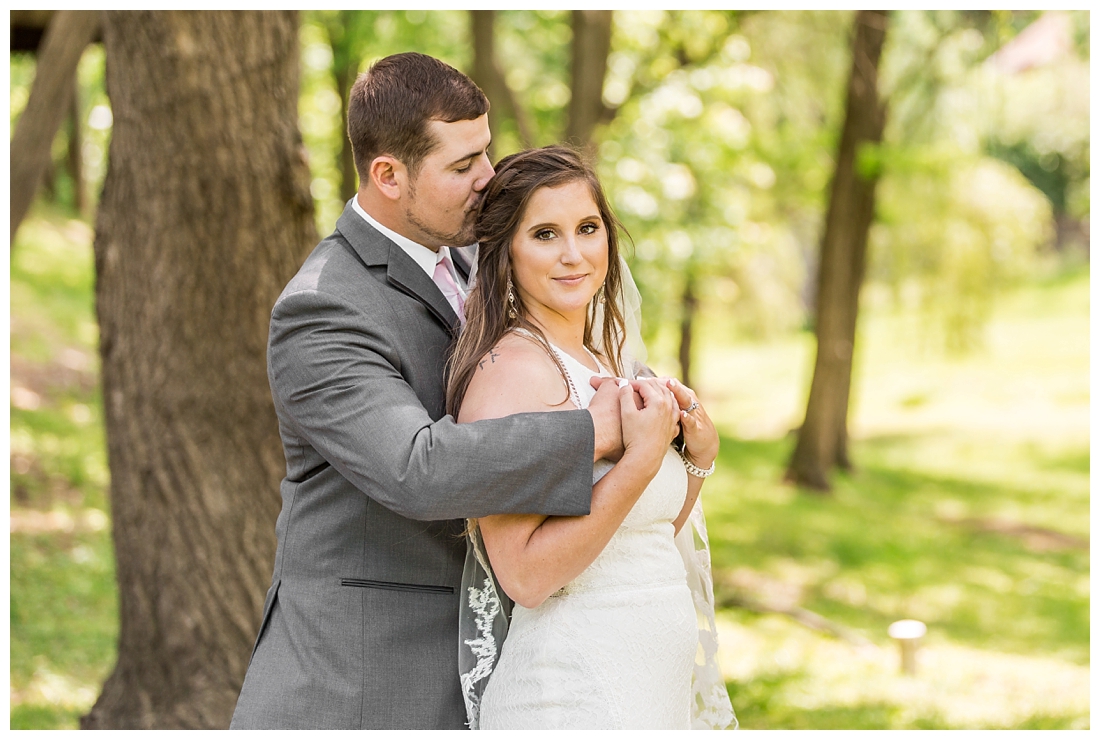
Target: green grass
[(64, 612), (968, 509)]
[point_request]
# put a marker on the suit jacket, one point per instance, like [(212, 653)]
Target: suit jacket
[(360, 625)]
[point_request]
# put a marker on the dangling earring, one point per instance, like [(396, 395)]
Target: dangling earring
[(601, 296), (512, 313)]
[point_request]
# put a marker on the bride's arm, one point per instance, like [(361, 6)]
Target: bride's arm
[(532, 555), (700, 442)]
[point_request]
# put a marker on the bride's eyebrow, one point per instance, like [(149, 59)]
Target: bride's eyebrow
[(551, 225)]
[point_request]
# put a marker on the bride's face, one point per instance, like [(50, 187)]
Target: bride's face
[(559, 251)]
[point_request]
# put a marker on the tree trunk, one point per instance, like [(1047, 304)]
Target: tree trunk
[(76, 155), (487, 75), (349, 176), (345, 68), (689, 303), (591, 47), (69, 32), (205, 215), (823, 438)]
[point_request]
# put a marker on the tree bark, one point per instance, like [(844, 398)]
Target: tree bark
[(591, 47), (28, 27), (345, 68), (349, 176), (76, 155), (205, 215), (689, 304), (823, 437), (487, 75), (69, 32)]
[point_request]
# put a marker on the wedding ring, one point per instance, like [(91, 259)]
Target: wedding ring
[(694, 405)]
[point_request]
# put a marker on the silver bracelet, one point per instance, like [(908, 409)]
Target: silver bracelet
[(694, 469)]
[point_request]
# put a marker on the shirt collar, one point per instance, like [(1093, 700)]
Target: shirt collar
[(420, 254)]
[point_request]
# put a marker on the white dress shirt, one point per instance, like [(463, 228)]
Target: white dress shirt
[(420, 254)]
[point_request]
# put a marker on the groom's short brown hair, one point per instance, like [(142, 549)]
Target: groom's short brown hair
[(391, 103)]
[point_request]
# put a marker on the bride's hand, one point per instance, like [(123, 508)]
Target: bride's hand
[(650, 428), (700, 436)]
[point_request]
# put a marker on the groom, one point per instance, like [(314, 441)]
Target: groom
[(360, 625)]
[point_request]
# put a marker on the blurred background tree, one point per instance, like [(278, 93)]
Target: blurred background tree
[(716, 134), (823, 437)]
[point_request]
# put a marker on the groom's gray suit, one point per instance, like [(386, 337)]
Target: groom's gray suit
[(360, 625)]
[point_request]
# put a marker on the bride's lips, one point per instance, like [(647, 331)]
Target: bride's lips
[(571, 279)]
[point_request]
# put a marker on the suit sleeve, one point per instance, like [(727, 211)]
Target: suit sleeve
[(335, 380)]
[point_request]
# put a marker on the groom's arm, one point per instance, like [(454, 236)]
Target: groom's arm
[(335, 378)]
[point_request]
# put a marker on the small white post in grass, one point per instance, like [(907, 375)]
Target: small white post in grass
[(908, 633)]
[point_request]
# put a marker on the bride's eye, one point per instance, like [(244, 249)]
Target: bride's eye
[(544, 234), (589, 228)]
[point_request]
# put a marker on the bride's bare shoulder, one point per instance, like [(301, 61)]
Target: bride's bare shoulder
[(515, 376)]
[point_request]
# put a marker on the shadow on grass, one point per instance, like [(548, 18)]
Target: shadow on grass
[(64, 625), (760, 705), (878, 549)]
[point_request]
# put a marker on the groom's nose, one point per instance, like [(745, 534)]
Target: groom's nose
[(485, 173)]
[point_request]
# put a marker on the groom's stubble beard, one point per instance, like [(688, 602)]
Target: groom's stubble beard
[(465, 236)]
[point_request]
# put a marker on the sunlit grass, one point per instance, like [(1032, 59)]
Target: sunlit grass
[(64, 613), (782, 676), (64, 617), (968, 509)]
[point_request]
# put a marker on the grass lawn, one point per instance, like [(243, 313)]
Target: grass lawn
[(64, 613), (968, 510)]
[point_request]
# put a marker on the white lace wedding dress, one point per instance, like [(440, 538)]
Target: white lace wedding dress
[(620, 646)]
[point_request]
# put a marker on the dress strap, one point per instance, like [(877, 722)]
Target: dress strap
[(574, 396), (576, 374)]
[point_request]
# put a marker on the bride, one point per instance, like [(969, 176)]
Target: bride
[(605, 631)]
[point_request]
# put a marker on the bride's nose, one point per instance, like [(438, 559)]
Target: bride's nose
[(570, 254)]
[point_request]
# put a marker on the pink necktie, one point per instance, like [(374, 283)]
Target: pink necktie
[(449, 288)]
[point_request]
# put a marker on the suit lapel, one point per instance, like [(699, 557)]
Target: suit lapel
[(401, 271), (407, 275), (464, 259)]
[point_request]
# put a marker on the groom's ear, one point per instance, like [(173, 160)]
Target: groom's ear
[(389, 176)]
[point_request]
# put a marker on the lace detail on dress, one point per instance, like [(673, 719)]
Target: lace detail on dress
[(482, 626), (711, 708)]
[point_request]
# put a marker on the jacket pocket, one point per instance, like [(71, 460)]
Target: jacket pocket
[(394, 586)]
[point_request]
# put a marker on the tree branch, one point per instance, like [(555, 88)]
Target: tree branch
[(69, 32)]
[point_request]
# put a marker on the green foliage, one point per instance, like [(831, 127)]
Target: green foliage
[(720, 148), (533, 51), (954, 226), (1038, 121), (95, 122), (702, 154), (956, 235)]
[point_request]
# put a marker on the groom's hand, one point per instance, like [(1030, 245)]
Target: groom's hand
[(606, 418)]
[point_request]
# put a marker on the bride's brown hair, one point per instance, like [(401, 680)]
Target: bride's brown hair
[(502, 208)]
